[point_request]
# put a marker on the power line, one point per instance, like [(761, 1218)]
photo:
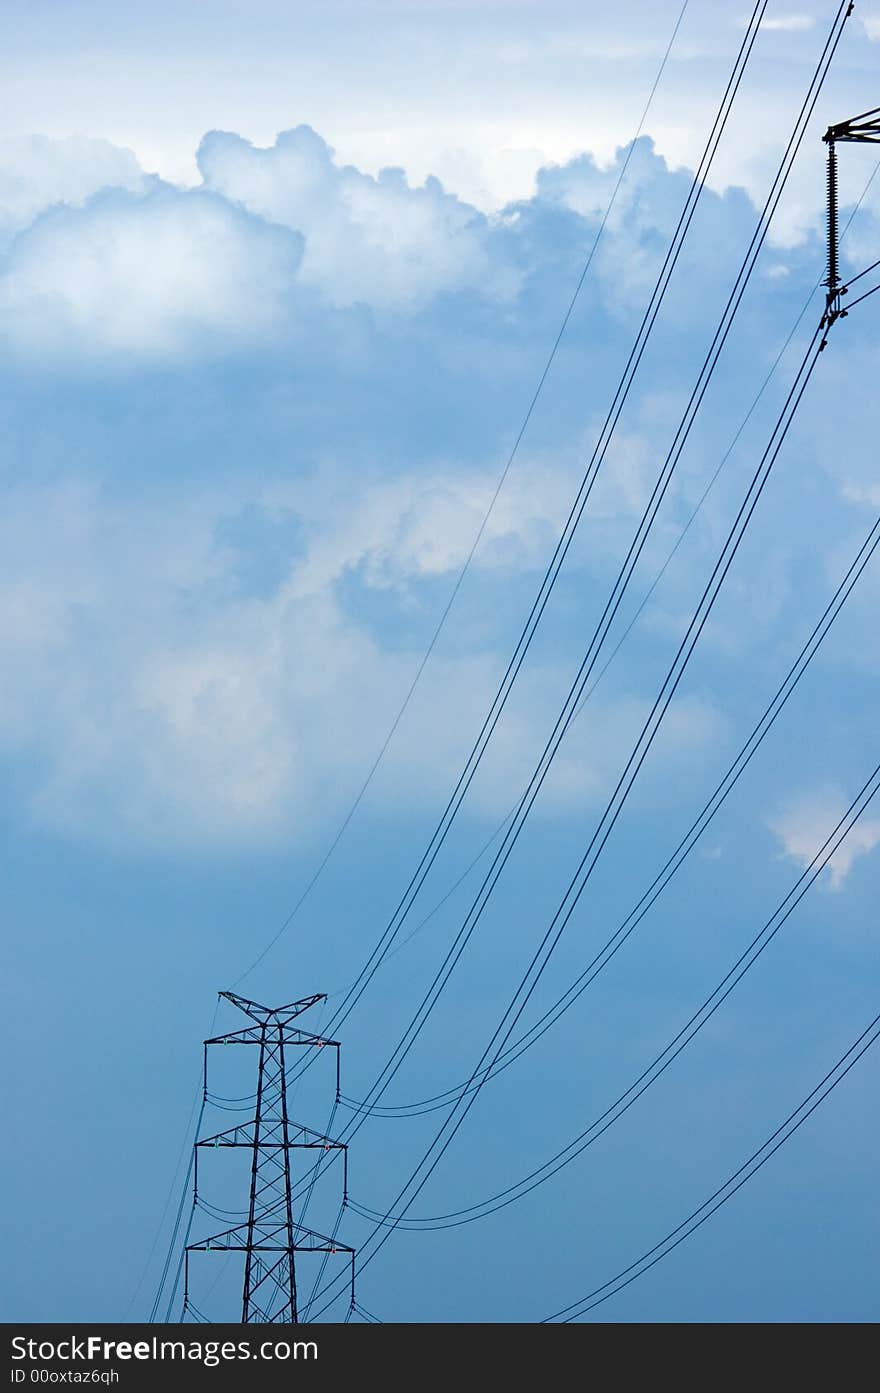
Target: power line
[(394, 1111), (199, 1100), (662, 1060), (188, 1131), (623, 636), (687, 843), (483, 524), (576, 690), (443, 1138), (456, 1116), (367, 1315), (465, 778), (858, 301), (725, 1192), (154, 1310), (625, 783)]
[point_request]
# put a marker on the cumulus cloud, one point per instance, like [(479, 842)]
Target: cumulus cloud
[(167, 681), (107, 262), (803, 826), (37, 172), (646, 209), (373, 240), (584, 186), (102, 260), (146, 274)]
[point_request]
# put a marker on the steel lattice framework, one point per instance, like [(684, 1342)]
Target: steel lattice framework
[(270, 1239)]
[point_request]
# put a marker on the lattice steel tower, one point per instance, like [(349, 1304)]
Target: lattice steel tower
[(270, 1239)]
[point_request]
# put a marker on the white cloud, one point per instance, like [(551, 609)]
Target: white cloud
[(159, 695), (373, 240), (804, 825), (408, 527), (274, 235), (37, 172), (164, 702), (147, 275), (646, 209), (396, 529), (862, 493), (109, 262), (789, 24)]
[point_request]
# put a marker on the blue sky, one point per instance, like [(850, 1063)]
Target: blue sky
[(276, 291)]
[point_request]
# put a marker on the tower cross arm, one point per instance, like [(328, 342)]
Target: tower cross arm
[(275, 1014), (864, 129), (251, 1035)]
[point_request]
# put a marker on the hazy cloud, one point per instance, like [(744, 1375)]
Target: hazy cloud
[(804, 824), (788, 24)]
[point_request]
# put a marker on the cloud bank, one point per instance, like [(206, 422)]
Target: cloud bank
[(253, 431)]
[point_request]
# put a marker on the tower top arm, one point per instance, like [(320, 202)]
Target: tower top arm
[(280, 1015), (864, 129)]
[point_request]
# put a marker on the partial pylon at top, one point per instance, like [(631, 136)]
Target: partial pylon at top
[(858, 130), (276, 1015)]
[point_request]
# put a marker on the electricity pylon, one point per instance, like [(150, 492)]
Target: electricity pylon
[(270, 1239)]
